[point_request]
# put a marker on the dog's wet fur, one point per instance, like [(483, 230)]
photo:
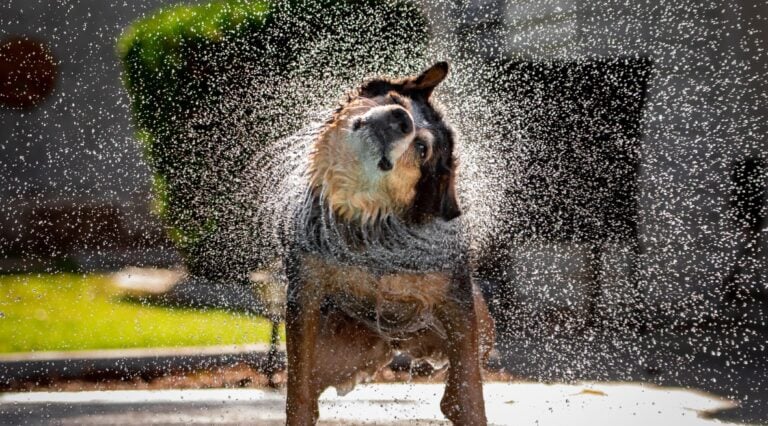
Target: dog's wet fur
[(386, 153)]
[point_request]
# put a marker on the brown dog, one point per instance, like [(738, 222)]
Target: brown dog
[(377, 261)]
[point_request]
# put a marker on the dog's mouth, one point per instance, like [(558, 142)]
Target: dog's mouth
[(384, 164)]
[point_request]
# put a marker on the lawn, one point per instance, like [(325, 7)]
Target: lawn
[(74, 312)]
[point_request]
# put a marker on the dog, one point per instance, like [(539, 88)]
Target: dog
[(376, 260)]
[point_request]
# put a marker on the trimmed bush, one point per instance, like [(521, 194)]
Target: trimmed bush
[(210, 85)]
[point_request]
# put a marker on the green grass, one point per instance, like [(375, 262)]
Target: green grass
[(74, 312)]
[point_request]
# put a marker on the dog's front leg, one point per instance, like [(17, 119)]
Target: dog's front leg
[(462, 402), (301, 325)]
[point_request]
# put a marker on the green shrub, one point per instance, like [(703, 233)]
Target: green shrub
[(211, 84)]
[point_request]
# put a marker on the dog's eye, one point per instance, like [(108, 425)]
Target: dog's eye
[(421, 149)]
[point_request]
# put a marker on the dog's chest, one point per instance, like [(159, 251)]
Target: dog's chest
[(393, 302)]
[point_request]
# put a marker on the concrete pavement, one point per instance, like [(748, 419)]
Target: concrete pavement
[(384, 404)]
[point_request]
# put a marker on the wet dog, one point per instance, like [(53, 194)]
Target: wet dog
[(376, 256)]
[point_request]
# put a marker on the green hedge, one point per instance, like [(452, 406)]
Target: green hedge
[(204, 80)]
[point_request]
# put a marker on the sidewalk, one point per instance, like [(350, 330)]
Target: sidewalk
[(128, 363), (383, 404)]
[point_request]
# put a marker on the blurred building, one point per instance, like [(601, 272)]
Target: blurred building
[(703, 123), (74, 189)]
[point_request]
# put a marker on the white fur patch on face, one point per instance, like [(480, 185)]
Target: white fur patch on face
[(369, 156), (399, 147)]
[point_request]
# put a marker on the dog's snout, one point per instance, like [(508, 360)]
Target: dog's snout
[(401, 120), (388, 123), (388, 128)]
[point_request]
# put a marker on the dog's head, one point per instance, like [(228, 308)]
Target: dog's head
[(387, 151)]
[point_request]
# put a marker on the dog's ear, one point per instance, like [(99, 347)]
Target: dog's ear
[(449, 206), (435, 198), (429, 79)]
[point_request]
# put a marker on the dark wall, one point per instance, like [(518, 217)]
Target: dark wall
[(74, 155)]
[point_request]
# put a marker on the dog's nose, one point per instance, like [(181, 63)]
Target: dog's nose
[(388, 123), (401, 120)]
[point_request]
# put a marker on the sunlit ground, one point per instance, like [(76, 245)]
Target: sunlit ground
[(384, 404), (76, 312)]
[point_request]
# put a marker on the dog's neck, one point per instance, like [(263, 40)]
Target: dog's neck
[(387, 245)]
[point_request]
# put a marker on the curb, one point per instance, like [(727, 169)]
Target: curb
[(129, 363)]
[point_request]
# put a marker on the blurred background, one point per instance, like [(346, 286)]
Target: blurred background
[(616, 172)]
